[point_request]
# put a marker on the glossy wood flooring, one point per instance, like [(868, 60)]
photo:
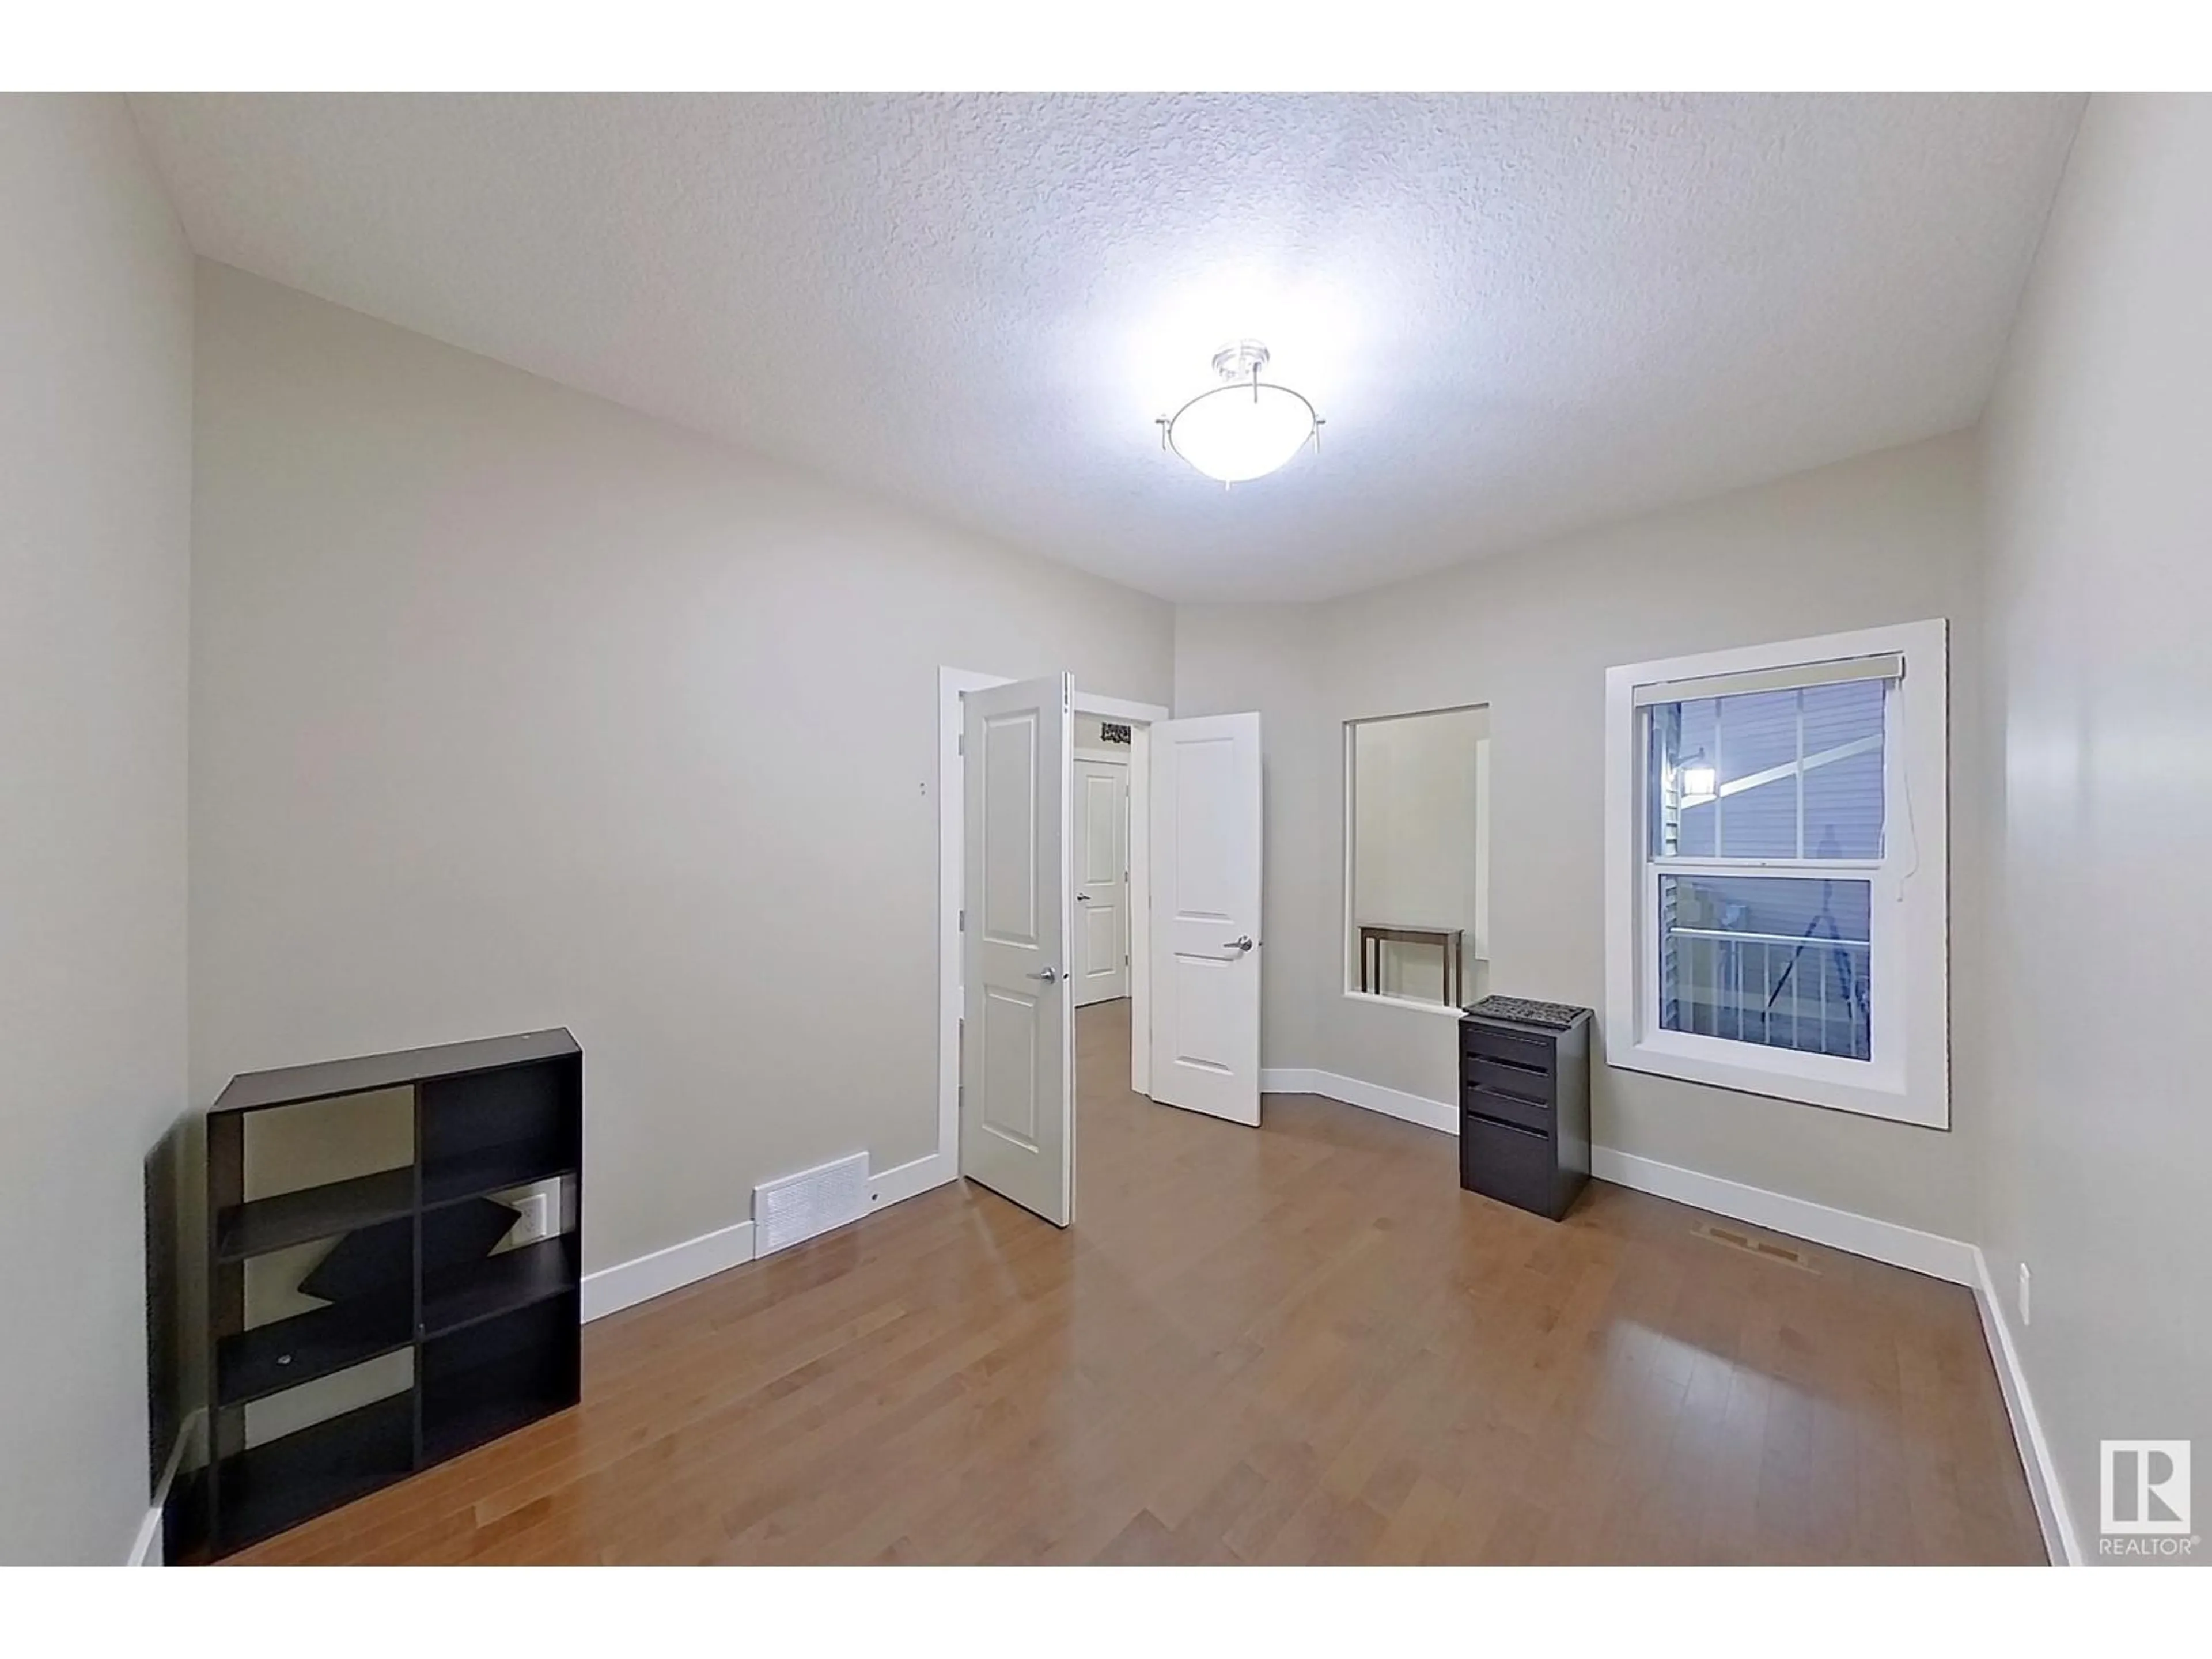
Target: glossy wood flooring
[(1303, 1344)]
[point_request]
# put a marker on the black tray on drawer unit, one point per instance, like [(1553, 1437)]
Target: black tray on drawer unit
[(1524, 1108)]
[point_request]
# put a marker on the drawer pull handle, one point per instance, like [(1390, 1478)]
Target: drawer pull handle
[(1500, 1123), (1542, 1102), (1507, 1060)]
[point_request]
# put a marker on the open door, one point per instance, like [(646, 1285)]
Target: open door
[(1017, 1050), (1206, 916)]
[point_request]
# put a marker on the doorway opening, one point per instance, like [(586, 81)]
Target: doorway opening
[(1020, 935), (1101, 795), (1098, 957)]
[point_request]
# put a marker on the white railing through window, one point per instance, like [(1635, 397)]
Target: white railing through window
[(1803, 992)]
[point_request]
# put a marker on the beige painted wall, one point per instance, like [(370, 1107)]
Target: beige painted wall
[(513, 709), (1889, 537), (2100, 787), (1230, 658), (96, 479)]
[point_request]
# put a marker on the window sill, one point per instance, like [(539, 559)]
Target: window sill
[(1374, 1000), (1869, 1099)]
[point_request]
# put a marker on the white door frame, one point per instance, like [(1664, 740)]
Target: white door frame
[(951, 846), (1140, 917)]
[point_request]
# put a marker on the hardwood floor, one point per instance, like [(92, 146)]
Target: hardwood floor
[(1302, 1344)]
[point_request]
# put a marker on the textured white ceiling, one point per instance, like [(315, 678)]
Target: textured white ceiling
[(1517, 314)]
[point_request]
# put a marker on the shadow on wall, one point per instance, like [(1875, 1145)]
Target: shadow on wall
[(162, 1170), (173, 1369)]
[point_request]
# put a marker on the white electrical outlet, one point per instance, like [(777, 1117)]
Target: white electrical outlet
[(2026, 1285), (536, 1218)]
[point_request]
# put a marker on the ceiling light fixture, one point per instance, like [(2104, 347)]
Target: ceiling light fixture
[(1245, 428)]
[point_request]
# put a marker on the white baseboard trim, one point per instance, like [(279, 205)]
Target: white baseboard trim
[(1932, 1254), (146, 1549), (2051, 1512), (626, 1284), (1947, 1259), (1372, 1096), (904, 1180)]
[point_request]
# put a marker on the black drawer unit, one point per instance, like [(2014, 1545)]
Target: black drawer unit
[(1525, 1105)]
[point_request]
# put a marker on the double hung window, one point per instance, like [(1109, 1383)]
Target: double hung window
[(1776, 878)]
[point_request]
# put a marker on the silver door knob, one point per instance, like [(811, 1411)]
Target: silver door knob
[(1243, 943), (1047, 975)]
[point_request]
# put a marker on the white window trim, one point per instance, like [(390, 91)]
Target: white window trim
[(1909, 1081)]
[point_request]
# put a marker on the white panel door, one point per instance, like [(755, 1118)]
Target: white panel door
[(1102, 882), (1017, 1055), (1206, 916)]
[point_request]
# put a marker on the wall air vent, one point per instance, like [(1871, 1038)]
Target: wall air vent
[(800, 1207)]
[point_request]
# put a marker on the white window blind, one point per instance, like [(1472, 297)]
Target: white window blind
[(1788, 677)]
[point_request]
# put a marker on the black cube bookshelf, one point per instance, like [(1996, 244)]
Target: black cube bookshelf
[(493, 1340)]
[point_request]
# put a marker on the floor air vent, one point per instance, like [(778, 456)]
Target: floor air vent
[(1765, 1248), (795, 1209)]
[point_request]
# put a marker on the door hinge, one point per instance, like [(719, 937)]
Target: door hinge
[(960, 744), (963, 921)]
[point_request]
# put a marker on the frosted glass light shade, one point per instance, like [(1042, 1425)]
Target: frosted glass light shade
[(1242, 431)]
